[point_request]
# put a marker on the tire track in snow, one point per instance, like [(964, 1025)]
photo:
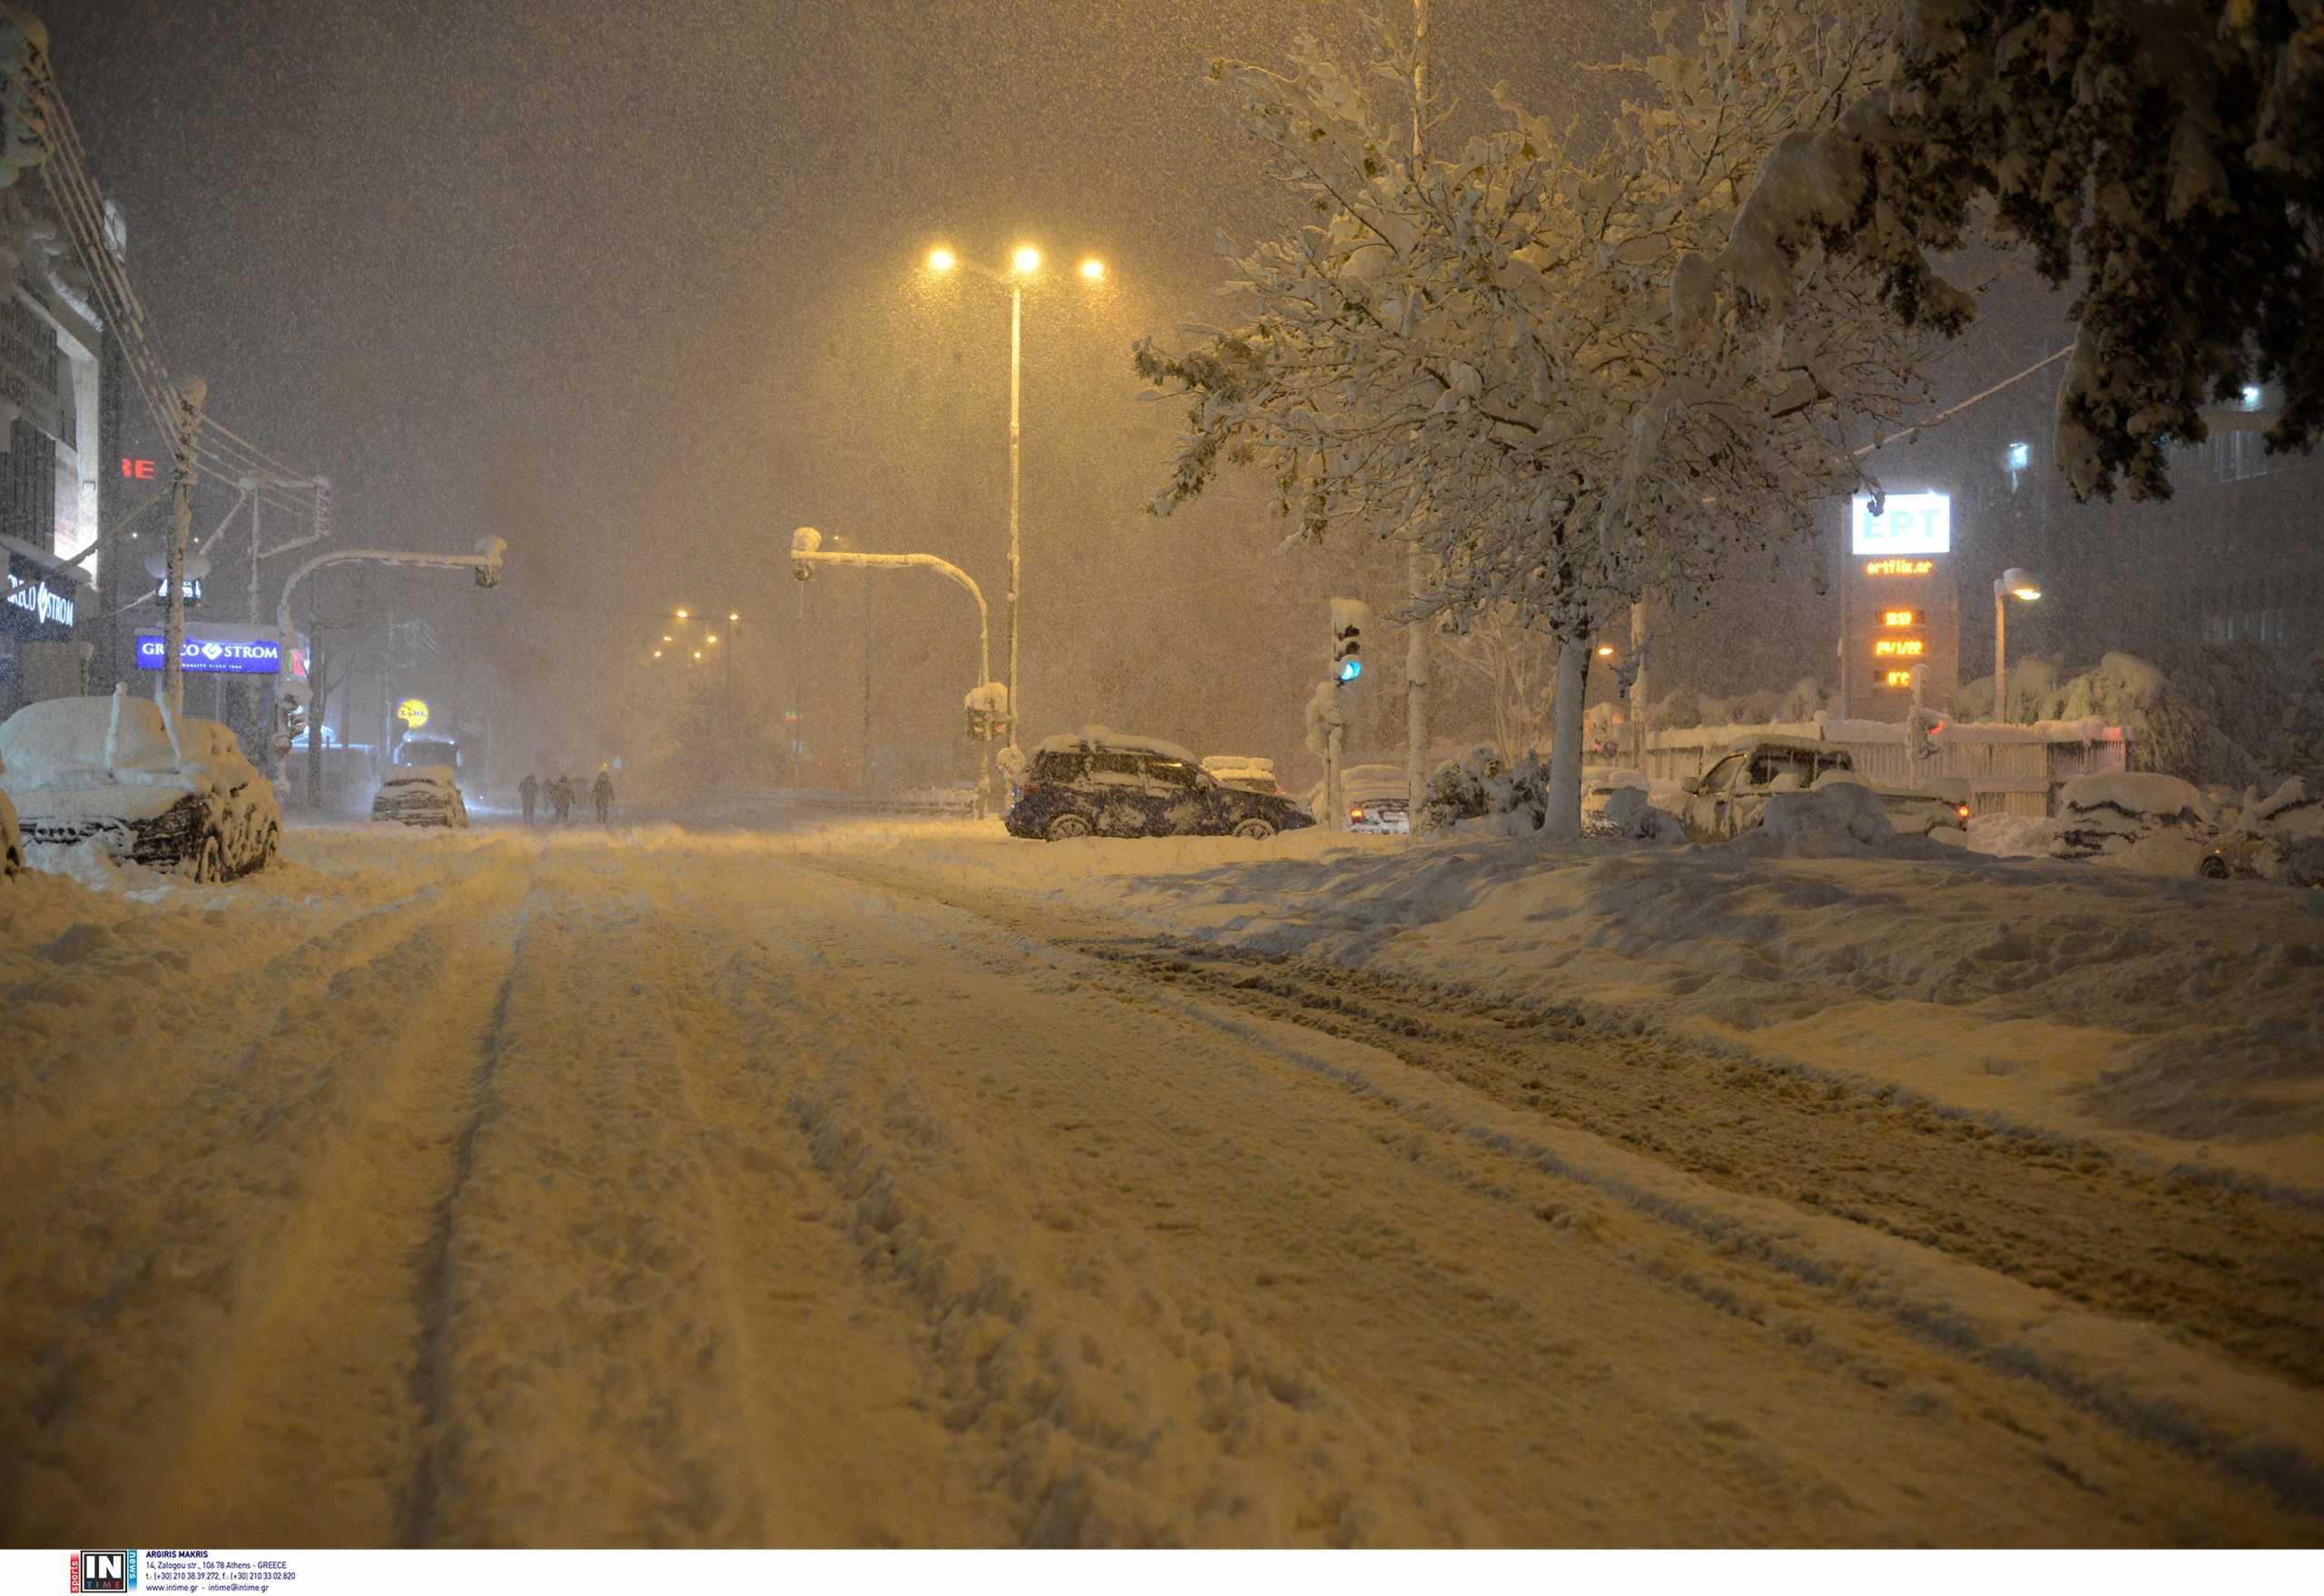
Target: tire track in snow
[(217, 1351), (1080, 1412), (611, 1297), (2275, 1467)]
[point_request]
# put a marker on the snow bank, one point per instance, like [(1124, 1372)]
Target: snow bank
[(1835, 817), (2174, 1016)]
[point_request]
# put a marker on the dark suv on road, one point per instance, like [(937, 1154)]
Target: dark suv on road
[(1101, 785)]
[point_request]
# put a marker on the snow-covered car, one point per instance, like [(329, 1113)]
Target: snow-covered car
[(1378, 799), (2108, 814), (1098, 782), (420, 795), (2279, 838), (1245, 771), (1732, 797), (1599, 786), (12, 851), (143, 786)]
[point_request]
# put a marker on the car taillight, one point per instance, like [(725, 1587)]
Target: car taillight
[(1356, 813), (1962, 810)]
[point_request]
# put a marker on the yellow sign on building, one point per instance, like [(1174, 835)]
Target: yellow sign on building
[(412, 713)]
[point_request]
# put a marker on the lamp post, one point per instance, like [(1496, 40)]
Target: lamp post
[(1025, 263), (2025, 586)]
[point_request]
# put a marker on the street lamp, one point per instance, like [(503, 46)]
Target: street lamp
[(2024, 586), (1024, 262)]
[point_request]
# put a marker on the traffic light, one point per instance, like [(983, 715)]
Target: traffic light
[(1350, 616)]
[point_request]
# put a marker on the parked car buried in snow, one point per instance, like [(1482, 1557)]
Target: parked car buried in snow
[(2106, 814), (1099, 783), (1378, 799), (1732, 797), (420, 795), (170, 792), (2279, 838), (1243, 773)]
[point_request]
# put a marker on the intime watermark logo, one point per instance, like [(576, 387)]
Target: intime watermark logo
[(104, 1571)]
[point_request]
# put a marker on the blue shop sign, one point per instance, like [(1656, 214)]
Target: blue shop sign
[(262, 657)]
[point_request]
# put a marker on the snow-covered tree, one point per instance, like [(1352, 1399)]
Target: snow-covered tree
[(1488, 351), (1514, 663), (2167, 155), (2298, 747)]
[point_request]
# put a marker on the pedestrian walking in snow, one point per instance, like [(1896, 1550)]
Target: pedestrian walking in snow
[(528, 790), (602, 790), (560, 797)]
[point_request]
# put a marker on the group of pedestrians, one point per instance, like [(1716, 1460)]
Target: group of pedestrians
[(560, 795)]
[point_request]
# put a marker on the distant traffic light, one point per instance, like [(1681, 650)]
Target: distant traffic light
[(1350, 616)]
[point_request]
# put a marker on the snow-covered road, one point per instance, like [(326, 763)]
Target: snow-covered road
[(658, 1187)]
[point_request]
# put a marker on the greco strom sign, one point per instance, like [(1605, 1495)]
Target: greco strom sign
[(260, 656)]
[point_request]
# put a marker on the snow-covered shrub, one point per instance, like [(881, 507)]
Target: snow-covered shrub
[(1478, 784), (1456, 792), (1803, 702)]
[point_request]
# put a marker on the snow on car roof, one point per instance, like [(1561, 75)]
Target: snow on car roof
[(1106, 737), (44, 740), (2133, 792), (1216, 763), (440, 776)]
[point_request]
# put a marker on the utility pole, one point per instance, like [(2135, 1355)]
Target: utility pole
[(1416, 561), (190, 394)]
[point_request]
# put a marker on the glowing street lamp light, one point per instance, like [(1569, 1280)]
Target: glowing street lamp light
[(684, 615), (2025, 587), (712, 639), (697, 657), (1605, 651), (734, 615), (1025, 263)]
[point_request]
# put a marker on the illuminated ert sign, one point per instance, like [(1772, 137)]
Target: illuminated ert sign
[(1899, 648), (1909, 523), (412, 713), (1898, 567), (1900, 617), (137, 471)]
